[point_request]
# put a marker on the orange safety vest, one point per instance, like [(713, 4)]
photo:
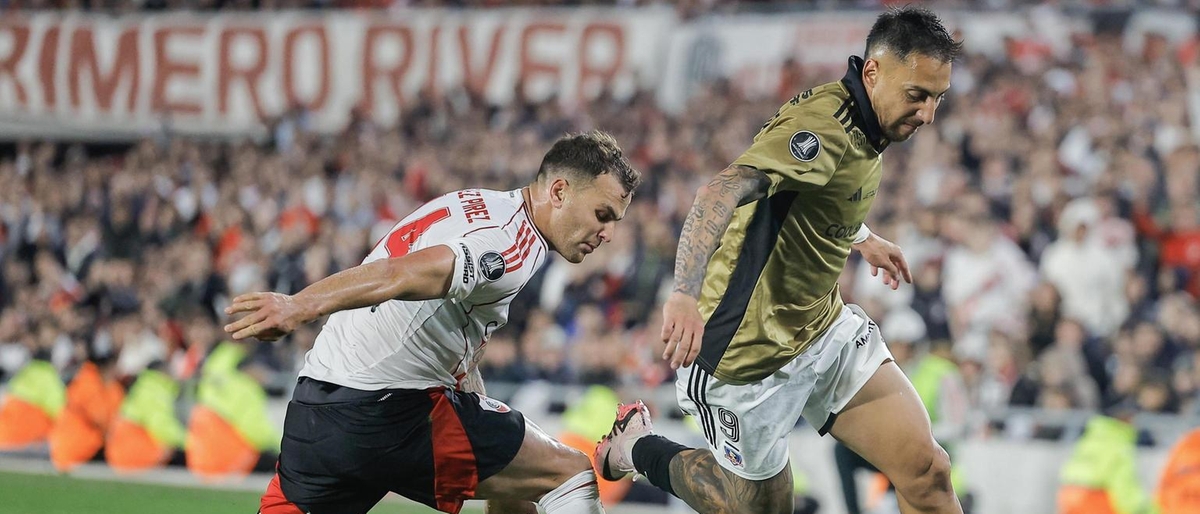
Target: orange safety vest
[(1074, 499), (215, 449), (79, 432), (1179, 490), (130, 448), (22, 424)]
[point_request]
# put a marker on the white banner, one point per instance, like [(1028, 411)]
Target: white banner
[(224, 74), (751, 50)]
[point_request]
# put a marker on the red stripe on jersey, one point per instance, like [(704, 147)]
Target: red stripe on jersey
[(521, 233), (273, 501), (521, 260), (455, 475), (528, 215), (523, 246)]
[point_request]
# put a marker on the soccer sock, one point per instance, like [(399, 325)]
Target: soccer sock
[(578, 495), (652, 456)]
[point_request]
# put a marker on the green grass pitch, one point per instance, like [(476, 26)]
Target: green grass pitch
[(49, 494)]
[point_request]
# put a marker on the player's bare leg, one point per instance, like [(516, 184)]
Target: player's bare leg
[(710, 489), (693, 475), (887, 424), (556, 476), (510, 507)]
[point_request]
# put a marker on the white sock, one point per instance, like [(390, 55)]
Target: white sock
[(578, 495)]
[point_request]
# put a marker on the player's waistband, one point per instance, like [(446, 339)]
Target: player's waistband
[(316, 392)]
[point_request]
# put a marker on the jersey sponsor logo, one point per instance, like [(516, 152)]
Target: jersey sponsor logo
[(468, 265), (491, 264), (805, 146), (492, 404), (838, 231)]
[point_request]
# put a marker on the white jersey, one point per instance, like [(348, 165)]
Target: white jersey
[(417, 345)]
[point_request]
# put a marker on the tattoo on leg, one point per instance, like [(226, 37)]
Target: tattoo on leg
[(707, 487)]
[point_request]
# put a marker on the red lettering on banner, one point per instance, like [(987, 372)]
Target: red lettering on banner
[(47, 65), (166, 69), (371, 71), (431, 83), (472, 81), (125, 65), (8, 66), (227, 72), (529, 66), (589, 70), (289, 80)]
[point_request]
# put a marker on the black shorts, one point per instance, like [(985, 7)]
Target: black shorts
[(344, 449)]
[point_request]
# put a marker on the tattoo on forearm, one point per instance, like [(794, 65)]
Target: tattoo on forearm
[(700, 482), (708, 219)]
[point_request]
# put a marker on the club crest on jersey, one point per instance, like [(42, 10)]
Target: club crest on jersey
[(491, 265), (804, 146), (734, 457), (492, 404)]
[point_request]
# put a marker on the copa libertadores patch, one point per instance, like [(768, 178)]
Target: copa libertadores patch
[(805, 146), (491, 264)]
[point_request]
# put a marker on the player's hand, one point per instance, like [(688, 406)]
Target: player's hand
[(884, 255), (682, 329), (269, 316)]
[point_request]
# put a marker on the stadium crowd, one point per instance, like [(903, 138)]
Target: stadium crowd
[(1049, 216)]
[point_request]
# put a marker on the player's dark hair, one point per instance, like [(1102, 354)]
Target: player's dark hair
[(907, 30), (589, 155)]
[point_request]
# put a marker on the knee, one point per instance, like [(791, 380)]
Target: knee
[(928, 480), (573, 462), (566, 463)]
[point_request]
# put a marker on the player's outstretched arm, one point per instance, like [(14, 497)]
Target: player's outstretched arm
[(702, 231), (421, 275)]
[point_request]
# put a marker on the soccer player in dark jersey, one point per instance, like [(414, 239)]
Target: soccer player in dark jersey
[(756, 326)]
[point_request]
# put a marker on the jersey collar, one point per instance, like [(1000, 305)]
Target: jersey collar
[(865, 114)]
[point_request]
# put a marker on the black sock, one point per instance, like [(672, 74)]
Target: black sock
[(652, 456)]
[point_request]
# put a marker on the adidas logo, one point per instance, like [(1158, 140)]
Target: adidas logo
[(858, 196)]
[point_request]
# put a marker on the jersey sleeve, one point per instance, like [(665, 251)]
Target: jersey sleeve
[(480, 271), (799, 148)]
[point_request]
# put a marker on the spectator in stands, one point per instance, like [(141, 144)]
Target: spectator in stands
[(1088, 274), (986, 277)]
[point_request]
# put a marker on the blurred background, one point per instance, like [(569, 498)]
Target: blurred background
[(159, 157)]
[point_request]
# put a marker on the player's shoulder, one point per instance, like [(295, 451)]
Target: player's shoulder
[(821, 108), (483, 207), (812, 122)]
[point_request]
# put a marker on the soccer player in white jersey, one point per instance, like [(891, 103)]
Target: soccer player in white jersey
[(390, 397)]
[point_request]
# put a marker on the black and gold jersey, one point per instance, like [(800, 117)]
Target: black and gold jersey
[(771, 286)]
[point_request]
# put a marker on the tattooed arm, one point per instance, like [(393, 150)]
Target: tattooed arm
[(708, 219), (702, 231)]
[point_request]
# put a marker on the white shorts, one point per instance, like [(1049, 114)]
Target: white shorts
[(746, 426)]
